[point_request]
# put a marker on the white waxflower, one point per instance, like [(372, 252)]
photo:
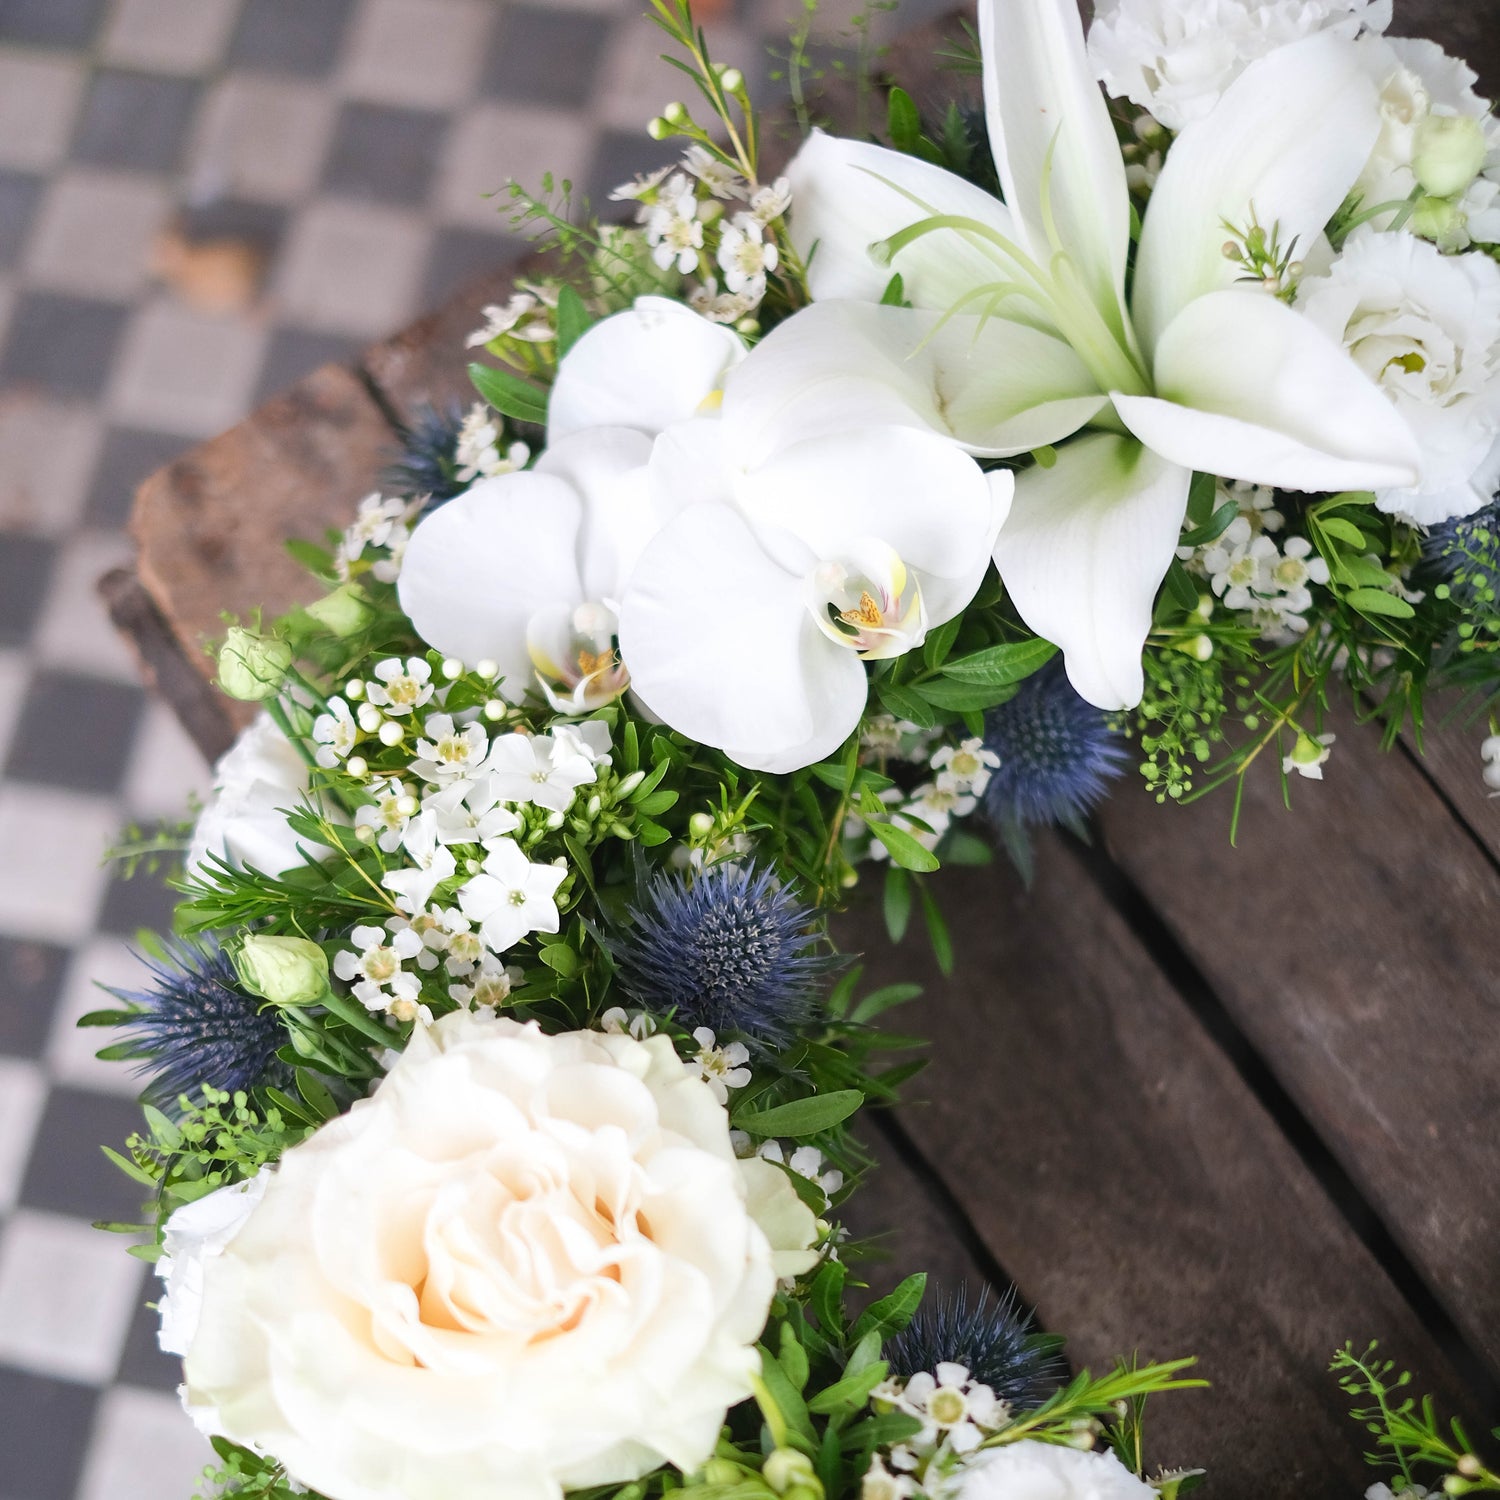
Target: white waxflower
[(388, 568), (1176, 58), (472, 812), (937, 801), (880, 1484), (477, 451), (721, 1068), (512, 897), (431, 863), (523, 317), (745, 256), (805, 1161), (388, 814), (716, 175), (1489, 754), (1308, 756), (1256, 502), (398, 687), (1047, 1470), (488, 985), (376, 966), (928, 832), (1238, 564), (372, 525), (674, 229), (721, 307), (336, 733), (589, 739), (447, 752), (770, 202), (641, 190), (960, 1409), (538, 768), (640, 1024), (968, 763), (1426, 328)]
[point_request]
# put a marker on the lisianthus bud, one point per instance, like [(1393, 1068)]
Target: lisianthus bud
[(252, 667), (345, 611), (1436, 219), (787, 1470), (284, 970), (1448, 154)]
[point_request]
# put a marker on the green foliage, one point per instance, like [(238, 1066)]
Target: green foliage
[(248, 1475)]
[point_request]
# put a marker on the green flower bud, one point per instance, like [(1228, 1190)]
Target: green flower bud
[(787, 1471), (722, 1471), (675, 113), (252, 667), (1448, 154), (731, 80), (1436, 219), (345, 611), (284, 970)]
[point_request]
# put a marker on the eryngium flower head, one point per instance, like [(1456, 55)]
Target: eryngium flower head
[(728, 948), (196, 1024), (1465, 555), (1057, 754), (425, 464), (994, 1340)]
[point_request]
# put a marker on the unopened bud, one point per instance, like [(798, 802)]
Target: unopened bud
[(1199, 647), (452, 667), (391, 733), (731, 80), (657, 128), (1436, 219), (487, 668), (786, 1469), (700, 825), (344, 612), (675, 113), (630, 783), (1448, 153), (721, 1471), (252, 667), (284, 970), (357, 766), (354, 689), (494, 710)]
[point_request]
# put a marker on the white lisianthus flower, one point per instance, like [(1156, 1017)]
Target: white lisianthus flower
[(526, 1264), (1175, 58), (511, 897), (1426, 328), (1045, 1471), (255, 781)]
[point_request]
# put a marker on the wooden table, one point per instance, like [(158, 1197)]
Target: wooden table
[(1190, 1099)]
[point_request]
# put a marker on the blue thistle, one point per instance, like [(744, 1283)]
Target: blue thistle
[(730, 949), (426, 464), (1464, 553), (994, 1340), (1057, 753), (197, 1025)]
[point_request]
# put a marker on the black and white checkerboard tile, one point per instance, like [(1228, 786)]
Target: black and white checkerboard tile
[(349, 143)]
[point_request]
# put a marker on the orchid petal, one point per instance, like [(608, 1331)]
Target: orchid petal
[(655, 364), (478, 568), (722, 647), (1088, 543), (1284, 145), (996, 387), (1251, 390), (1055, 146), (850, 195)]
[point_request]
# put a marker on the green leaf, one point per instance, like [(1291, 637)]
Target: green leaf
[(886, 998), (1212, 529), (561, 959), (937, 931), (510, 394), (1003, 665), (903, 123), (129, 1168), (1378, 602), (939, 642), (573, 319), (894, 294), (851, 1392), (905, 704), (1201, 495), (793, 1357), (312, 557), (317, 1097), (892, 1313), (1344, 531), (1180, 586), (897, 902), (902, 847), (959, 695), (802, 1117), (163, 1129), (827, 1297), (787, 1399)]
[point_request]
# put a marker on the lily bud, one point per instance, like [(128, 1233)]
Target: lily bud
[(252, 667), (287, 971), (1448, 154)]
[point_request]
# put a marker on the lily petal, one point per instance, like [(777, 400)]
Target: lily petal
[(655, 364), (1252, 390), (1054, 143), (996, 387), (1087, 545), (477, 569), (720, 645), (849, 195), (1286, 143)]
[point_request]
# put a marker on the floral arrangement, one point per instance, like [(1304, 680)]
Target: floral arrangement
[(502, 1069)]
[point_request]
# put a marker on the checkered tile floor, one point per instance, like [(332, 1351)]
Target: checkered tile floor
[(347, 144)]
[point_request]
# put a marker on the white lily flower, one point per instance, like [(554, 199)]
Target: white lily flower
[(1195, 373)]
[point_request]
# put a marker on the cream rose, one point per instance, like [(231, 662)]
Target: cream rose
[(526, 1263), (1030, 1470)]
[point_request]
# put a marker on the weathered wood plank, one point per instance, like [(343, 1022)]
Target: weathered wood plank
[(210, 528), (1449, 756), (1116, 1164), (1352, 941)]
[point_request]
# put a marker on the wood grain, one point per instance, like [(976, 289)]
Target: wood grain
[(1115, 1163)]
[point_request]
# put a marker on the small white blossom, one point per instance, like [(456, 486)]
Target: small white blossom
[(512, 897), (390, 812), (968, 763), (674, 229), (447, 752), (746, 257), (879, 1483), (375, 966), (539, 768), (637, 1023), (1489, 754), (372, 526), (1308, 756), (941, 799), (805, 1161), (388, 568), (721, 307), (769, 203), (640, 191), (722, 1068), (717, 176), (472, 812), (431, 864), (477, 451), (398, 687), (523, 317), (589, 739), (336, 733), (490, 986)]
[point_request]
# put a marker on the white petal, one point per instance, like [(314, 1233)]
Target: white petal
[(648, 367), (478, 568), (721, 646), (1087, 544), (1040, 97), (995, 386), (1287, 141), (1251, 390), (848, 195)]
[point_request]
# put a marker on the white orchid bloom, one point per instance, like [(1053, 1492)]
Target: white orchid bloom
[(750, 615), (1019, 332)]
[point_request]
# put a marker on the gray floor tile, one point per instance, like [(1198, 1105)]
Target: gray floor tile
[(57, 23), (295, 352), (135, 120), (71, 1175), (460, 255), (290, 38), (545, 55), (25, 573), (74, 731), (130, 905), (47, 1431), (141, 1361), (384, 153), (619, 157), (259, 224), (19, 194), (33, 975), (128, 455), (63, 344)]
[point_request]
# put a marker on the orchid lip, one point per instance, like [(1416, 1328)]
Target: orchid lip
[(576, 653), (868, 602)]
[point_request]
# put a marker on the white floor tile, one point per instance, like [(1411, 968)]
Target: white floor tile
[(67, 1293), (94, 232), (48, 450), (23, 1089), (166, 767), (15, 672), (261, 137), (52, 882), (425, 54), (39, 98), (494, 144), (144, 1447), (75, 631), (169, 36)]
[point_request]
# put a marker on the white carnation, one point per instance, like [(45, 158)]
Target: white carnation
[(526, 1263), (1426, 328), (244, 822), (1175, 58), (1044, 1471)]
